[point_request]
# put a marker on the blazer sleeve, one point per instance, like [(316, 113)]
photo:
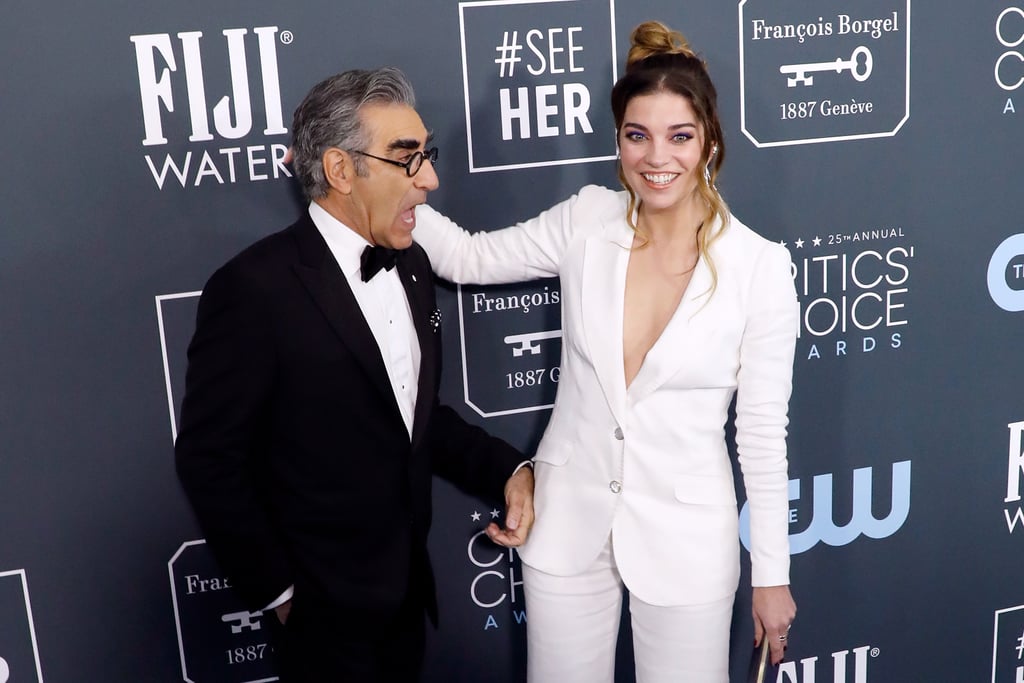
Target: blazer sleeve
[(764, 384), (525, 251), (474, 461), (227, 387)]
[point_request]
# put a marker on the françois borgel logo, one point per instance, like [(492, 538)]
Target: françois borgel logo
[(821, 525), (1006, 274), (19, 653), (537, 78), (511, 346), (192, 143), (219, 640), (823, 71)]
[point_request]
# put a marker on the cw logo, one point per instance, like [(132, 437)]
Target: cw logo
[(823, 527)]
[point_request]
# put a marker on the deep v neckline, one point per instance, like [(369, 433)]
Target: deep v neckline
[(674, 309)]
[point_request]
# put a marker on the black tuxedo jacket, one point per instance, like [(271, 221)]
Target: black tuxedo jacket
[(292, 449)]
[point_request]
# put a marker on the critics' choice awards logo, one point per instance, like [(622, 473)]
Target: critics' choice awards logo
[(1006, 274), (823, 71), (1008, 645), (219, 640), (19, 653), (537, 76), (823, 526), (1014, 512), (511, 346), (852, 301), (190, 142), (1009, 68), (497, 582)]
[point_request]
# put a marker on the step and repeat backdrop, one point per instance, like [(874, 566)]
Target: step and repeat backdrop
[(881, 141)]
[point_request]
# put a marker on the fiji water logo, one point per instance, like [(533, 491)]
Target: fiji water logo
[(844, 668), (171, 73), (824, 527)]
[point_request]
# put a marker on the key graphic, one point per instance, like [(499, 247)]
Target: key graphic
[(244, 620), (860, 71), (522, 343)]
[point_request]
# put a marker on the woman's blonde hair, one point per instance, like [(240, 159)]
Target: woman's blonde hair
[(661, 60)]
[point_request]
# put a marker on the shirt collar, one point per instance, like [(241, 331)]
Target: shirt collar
[(345, 243)]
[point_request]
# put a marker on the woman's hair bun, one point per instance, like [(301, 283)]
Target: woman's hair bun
[(654, 38)]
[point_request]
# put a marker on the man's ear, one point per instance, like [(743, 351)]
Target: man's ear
[(338, 169)]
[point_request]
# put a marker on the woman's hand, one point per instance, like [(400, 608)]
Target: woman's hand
[(774, 611)]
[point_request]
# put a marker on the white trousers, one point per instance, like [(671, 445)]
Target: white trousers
[(572, 626)]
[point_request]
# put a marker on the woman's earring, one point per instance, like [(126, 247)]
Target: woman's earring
[(707, 168)]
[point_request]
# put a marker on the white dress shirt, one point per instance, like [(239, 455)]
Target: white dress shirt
[(384, 305)]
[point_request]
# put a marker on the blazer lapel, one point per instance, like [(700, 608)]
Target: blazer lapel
[(669, 352), (326, 284), (602, 290)]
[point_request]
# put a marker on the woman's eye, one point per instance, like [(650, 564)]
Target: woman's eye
[(634, 136), (681, 137)]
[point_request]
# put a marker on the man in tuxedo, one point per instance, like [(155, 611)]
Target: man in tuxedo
[(311, 426)]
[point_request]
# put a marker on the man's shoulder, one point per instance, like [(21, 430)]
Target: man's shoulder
[(276, 246), (260, 263)]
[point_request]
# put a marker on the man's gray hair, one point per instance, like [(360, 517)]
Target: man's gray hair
[(329, 117)]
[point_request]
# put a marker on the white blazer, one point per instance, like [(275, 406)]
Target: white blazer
[(649, 465)]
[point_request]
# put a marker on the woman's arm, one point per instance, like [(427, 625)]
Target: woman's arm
[(764, 384), (526, 251)]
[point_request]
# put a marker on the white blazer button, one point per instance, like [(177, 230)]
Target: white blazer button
[(615, 486), (618, 433)]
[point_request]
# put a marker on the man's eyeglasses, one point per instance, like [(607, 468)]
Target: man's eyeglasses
[(412, 166)]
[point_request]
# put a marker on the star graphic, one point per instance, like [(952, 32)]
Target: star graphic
[(782, 242), (494, 514), (475, 516), (799, 244), (817, 241)]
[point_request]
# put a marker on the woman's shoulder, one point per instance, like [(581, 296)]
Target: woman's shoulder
[(744, 240), (601, 200)]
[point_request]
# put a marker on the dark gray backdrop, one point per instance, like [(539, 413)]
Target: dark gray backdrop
[(905, 444)]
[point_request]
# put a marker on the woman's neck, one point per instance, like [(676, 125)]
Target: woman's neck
[(675, 226)]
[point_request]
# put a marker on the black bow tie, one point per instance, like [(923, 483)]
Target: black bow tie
[(375, 258)]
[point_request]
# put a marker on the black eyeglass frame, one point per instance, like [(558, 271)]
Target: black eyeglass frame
[(413, 165)]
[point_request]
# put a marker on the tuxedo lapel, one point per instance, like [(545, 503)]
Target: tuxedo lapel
[(603, 292), (418, 282), (327, 286)]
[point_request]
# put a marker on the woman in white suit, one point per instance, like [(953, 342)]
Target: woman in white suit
[(670, 305)]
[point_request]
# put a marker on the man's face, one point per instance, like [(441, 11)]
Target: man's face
[(383, 201)]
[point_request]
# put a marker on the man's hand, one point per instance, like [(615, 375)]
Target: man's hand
[(518, 511), (282, 611)]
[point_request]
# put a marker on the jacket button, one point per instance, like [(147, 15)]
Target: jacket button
[(615, 486), (618, 433)]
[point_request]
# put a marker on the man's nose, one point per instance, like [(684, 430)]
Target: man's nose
[(426, 179)]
